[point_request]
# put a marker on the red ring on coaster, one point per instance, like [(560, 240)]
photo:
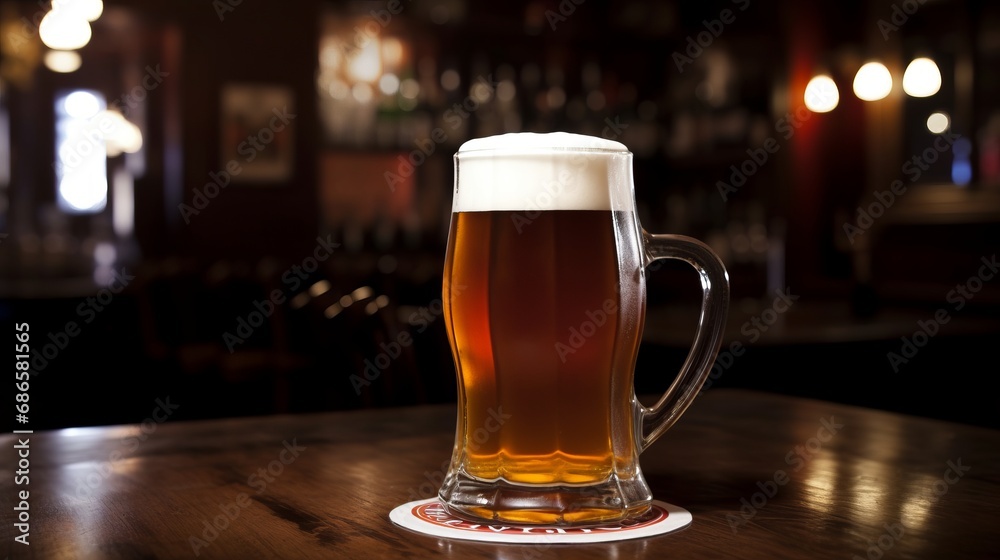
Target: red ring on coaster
[(430, 518)]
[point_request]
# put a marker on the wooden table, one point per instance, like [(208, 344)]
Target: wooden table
[(322, 485)]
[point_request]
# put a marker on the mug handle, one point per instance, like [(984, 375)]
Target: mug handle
[(655, 420)]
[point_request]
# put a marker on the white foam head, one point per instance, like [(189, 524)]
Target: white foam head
[(554, 171)]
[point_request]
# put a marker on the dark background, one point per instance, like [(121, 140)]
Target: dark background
[(601, 68)]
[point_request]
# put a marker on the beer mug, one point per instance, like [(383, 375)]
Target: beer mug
[(544, 299)]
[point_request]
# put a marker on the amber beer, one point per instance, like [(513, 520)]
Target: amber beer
[(547, 335), (544, 298)]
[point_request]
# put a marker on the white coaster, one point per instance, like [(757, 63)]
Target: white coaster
[(430, 518)]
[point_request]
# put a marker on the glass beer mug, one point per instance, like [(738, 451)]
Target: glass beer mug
[(544, 300)]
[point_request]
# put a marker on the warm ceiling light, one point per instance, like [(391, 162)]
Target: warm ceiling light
[(922, 78), (822, 95), (872, 82), (89, 10), (64, 30), (63, 61)]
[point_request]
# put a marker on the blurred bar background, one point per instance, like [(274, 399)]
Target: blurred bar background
[(244, 205)]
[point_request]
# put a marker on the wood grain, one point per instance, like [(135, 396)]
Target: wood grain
[(322, 485)]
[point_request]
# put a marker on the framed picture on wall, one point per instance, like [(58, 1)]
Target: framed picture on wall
[(258, 125)]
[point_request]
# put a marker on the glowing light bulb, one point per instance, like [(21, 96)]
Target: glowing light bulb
[(872, 82), (822, 95), (64, 30), (922, 78), (89, 10), (63, 62)]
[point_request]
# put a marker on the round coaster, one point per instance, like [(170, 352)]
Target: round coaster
[(430, 518)]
